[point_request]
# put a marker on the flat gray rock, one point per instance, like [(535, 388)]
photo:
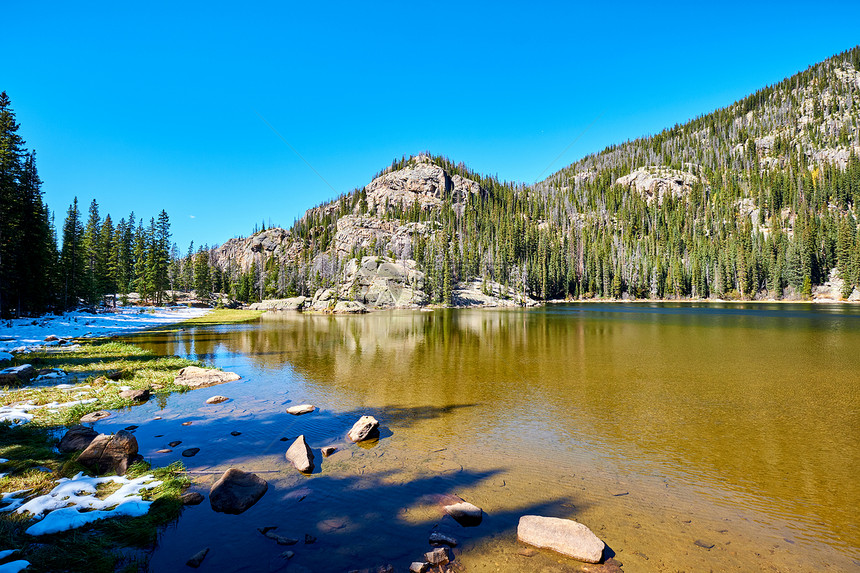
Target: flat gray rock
[(300, 455), (217, 399), (196, 377), (565, 536), (301, 409)]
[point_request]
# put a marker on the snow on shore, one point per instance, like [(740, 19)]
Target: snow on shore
[(23, 334)]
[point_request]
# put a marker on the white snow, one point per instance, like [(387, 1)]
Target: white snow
[(6, 553), (63, 506), (5, 356), (19, 414), (24, 334), (14, 566)]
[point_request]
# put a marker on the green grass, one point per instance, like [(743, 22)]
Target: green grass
[(213, 318), (104, 545)]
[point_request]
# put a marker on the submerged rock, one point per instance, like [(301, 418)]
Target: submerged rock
[(300, 455), (367, 427), (110, 453), (439, 538), (327, 451), (217, 399), (565, 536), (197, 559), (77, 439), (279, 539), (236, 491), (196, 377), (190, 452)]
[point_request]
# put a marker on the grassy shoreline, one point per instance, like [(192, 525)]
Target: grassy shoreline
[(115, 544)]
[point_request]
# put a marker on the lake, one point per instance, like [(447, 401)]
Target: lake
[(665, 428)]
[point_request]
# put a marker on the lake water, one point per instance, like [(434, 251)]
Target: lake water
[(657, 425)]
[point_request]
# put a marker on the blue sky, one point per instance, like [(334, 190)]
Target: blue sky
[(158, 105)]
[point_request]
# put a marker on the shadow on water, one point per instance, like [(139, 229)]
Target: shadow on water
[(365, 505)]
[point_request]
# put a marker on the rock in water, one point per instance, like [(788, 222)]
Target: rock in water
[(465, 513), (197, 558), (300, 409), (217, 399), (191, 498), (136, 395), (566, 536), (327, 451), (110, 453), (438, 556), (300, 455), (439, 538), (236, 491), (190, 452), (196, 377), (93, 417), (77, 439), (366, 428)]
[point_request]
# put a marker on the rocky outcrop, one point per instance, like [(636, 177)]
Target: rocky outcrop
[(110, 453), (236, 491), (419, 182), (196, 377), (658, 182), (565, 536), (294, 303), (383, 282), (478, 293)]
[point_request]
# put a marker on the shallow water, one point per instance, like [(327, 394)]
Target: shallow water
[(657, 425)]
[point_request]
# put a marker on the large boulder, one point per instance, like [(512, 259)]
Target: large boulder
[(566, 536), (196, 377), (366, 428), (110, 453), (300, 455), (76, 439), (236, 491)]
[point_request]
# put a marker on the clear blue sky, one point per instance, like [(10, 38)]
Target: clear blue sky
[(154, 105)]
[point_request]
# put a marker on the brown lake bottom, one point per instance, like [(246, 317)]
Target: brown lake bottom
[(666, 429)]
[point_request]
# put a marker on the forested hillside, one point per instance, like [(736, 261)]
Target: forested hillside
[(755, 200)]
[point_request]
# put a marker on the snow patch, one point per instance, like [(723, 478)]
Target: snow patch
[(14, 566), (73, 502)]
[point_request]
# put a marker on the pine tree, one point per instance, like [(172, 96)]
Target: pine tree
[(72, 257)]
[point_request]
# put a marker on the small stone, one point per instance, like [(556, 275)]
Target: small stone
[(197, 558), (174, 443), (526, 552), (186, 423), (157, 418), (114, 375), (367, 427), (131, 428), (301, 409), (217, 399), (309, 539), (438, 556), (235, 433), (279, 539), (300, 455), (439, 538), (190, 452), (135, 395), (419, 567), (284, 439), (465, 513), (93, 417), (164, 451), (288, 554), (703, 544), (51, 338), (328, 450), (620, 493), (191, 498)]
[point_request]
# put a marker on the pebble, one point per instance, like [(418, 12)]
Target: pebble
[(217, 399), (131, 428), (526, 552), (186, 423), (174, 443), (309, 539), (287, 554), (190, 452), (164, 451), (235, 433), (703, 544), (328, 450)]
